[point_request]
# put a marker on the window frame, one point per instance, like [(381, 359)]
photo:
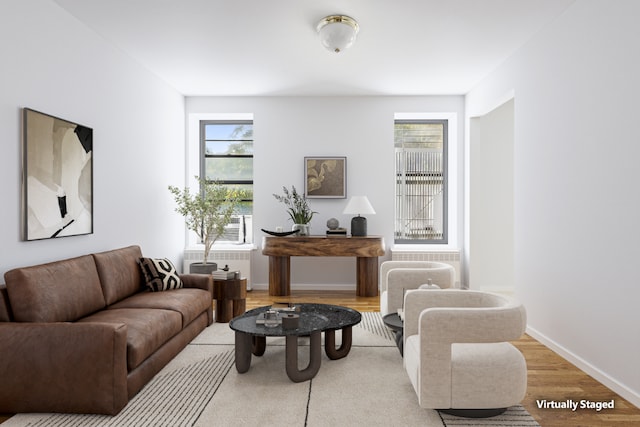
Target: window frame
[(203, 156), (446, 123)]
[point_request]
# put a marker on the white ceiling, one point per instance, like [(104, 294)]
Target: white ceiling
[(270, 47)]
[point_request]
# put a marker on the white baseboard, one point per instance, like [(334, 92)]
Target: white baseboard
[(596, 373)]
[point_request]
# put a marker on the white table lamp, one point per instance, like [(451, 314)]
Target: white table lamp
[(359, 205)]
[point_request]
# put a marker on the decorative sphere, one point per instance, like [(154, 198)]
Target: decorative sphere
[(333, 223)]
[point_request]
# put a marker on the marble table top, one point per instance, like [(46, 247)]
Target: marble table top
[(313, 317)]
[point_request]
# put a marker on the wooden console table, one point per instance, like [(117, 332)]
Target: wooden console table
[(367, 249)]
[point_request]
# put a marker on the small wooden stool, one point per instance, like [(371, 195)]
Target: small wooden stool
[(230, 296)]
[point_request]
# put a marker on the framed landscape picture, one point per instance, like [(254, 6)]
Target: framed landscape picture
[(57, 177), (325, 177)]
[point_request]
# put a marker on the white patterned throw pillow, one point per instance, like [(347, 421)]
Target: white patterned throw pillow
[(159, 274)]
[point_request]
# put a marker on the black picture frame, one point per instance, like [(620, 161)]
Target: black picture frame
[(57, 185)]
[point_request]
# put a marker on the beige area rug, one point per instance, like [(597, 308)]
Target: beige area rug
[(201, 387)]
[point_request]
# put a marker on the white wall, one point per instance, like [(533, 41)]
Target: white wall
[(490, 243), (576, 203), (575, 155), (286, 129), (52, 63)]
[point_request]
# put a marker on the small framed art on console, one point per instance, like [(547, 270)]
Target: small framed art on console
[(325, 177)]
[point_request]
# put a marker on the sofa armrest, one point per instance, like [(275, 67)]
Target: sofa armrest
[(200, 281), (63, 367)]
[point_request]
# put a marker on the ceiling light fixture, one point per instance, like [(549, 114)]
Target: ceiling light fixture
[(337, 32)]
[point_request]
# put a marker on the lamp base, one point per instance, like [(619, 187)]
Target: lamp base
[(358, 226)]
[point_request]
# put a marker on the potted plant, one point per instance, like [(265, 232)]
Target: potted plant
[(297, 208), (207, 214)]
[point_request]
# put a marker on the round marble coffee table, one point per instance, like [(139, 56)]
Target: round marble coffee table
[(250, 337)]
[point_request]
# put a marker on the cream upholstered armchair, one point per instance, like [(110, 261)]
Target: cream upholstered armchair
[(457, 354), (396, 277)]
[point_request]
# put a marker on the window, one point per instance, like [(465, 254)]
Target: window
[(227, 158), (421, 184)]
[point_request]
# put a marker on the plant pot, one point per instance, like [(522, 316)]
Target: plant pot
[(200, 268), (305, 229)]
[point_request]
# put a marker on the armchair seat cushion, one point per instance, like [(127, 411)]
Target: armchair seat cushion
[(487, 375), (483, 375), (144, 336)]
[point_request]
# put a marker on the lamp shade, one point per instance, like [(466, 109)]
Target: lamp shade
[(337, 32), (359, 205)]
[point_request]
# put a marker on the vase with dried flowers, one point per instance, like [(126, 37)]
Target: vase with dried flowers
[(297, 208)]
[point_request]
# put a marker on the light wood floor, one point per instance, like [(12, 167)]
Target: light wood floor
[(550, 376)]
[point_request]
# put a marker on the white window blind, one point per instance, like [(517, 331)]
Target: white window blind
[(421, 187)]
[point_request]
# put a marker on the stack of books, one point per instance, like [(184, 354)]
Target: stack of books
[(224, 275), (337, 232), (285, 307)]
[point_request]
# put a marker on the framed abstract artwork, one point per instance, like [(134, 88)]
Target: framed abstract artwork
[(57, 186), (325, 177)]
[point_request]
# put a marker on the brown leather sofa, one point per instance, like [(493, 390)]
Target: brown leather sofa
[(82, 335)]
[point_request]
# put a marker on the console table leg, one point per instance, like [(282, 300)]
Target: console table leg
[(367, 277), (330, 343), (291, 356), (279, 275)]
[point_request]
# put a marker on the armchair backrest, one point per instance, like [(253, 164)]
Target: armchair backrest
[(445, 311), (386, 266), (396, 277)]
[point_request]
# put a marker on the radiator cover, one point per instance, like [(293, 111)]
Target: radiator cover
[(236, 257)]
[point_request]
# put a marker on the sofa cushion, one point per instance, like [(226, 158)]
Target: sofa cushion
[(61, 291), (147, 329), (190, 303), (119, 273), (159, 274)]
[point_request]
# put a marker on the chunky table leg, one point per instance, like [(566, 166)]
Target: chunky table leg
[(244, 345), (330, 343), (259, 345), (367, 276), (315, 357), (279, 275)]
